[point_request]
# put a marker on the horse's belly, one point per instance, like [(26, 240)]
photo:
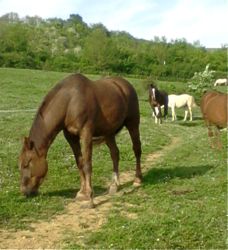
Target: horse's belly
[(102, 121), (215, 117), (109, 123)]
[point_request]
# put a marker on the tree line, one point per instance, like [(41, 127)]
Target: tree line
[(74, 46)]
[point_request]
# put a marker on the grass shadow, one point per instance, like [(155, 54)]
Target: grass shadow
[(160, 175)]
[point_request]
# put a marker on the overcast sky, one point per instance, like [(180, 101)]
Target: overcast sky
[(203, 20)]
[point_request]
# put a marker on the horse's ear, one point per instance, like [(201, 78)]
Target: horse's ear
[(28, 143)]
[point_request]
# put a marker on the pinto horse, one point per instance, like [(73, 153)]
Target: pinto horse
[(84, 110), (214, 110), (157, 99)]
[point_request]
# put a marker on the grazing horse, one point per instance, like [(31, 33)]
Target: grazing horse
[(220, 82), (179, 101), (157, 99), (84, 110), (214, 110)]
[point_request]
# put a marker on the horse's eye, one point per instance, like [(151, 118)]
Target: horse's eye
[(26, 164)]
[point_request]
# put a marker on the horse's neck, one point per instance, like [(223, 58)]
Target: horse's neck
[(43, 133)]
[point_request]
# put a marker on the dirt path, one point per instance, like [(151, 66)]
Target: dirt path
[(16, 110), (49, 234)]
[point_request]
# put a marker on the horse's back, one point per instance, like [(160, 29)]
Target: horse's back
[(180, 100), (105, 89), (106, 104), (214, 108)]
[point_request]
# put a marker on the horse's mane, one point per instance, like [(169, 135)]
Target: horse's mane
[(38, 122), (153, 85), (48, 98)]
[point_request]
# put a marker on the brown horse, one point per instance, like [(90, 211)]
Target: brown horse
[(85, 110), (214, 110)]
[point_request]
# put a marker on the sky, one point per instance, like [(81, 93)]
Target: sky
[(205, 21)]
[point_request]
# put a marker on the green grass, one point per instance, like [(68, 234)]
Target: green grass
[(181, 204)]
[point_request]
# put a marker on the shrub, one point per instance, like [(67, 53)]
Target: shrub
[(202, 81)]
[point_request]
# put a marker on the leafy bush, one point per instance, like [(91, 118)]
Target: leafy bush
[(202, 81)]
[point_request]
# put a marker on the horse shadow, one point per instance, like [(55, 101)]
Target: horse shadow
[(197, 121), (162, 175), (71, 192), (151, 177), (194, 123)]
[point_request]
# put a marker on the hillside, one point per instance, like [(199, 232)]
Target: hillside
[(73, 45)]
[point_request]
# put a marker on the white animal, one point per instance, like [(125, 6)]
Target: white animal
[(220, 82), (179, 101)]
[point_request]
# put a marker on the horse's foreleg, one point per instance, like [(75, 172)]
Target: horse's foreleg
[(158, 114), (154, 114), (155, 119), (76, 148), (114, 151), (173, 113), (133, 129)]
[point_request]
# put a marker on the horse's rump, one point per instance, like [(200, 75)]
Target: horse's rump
[(214, 109)]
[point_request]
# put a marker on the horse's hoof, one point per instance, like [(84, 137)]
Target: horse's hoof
[(113, 189), (137, 182), (82, 197), (87, 204)]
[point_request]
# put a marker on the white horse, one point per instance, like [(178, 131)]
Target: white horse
[(219, 82), (179, 101)]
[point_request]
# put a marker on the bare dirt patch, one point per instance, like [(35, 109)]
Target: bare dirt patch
[(50, 234)]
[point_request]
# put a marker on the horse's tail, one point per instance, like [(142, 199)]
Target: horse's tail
[(194, 105)]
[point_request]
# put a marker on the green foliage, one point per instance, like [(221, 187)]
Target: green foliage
[(202, 81), (72, 45)]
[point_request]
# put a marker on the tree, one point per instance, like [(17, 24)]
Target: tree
[(96, 49)]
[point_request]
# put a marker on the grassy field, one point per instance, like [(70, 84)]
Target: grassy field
[(182, 203)]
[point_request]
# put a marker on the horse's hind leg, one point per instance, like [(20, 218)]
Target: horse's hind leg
[(190, 113), (218, 139), (87, 193), (165, 111), (210, 135), (185, 114), (114, 151), (133, 129)]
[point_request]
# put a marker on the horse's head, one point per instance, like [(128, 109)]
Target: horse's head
[(33, 168), (152, 94)]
